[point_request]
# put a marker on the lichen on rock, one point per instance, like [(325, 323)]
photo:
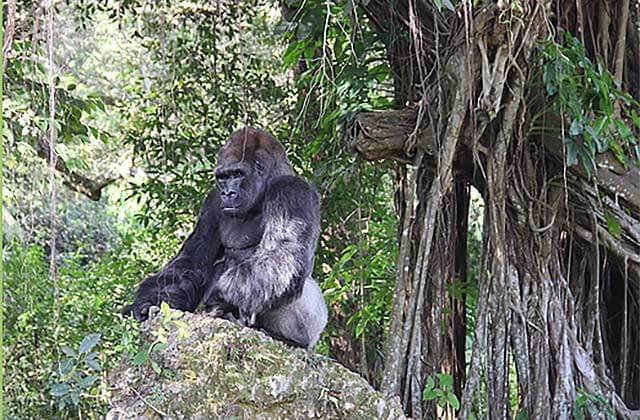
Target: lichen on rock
[(220, 370)]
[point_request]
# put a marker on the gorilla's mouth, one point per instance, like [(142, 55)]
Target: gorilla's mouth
[(230, 210)]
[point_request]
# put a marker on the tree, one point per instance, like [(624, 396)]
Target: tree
[(526, 102)]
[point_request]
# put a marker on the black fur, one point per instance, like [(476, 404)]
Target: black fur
[(253, 246)]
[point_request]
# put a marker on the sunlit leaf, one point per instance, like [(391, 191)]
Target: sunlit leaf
[(89, 342), (142, 356), (613, 225), (59, 390)]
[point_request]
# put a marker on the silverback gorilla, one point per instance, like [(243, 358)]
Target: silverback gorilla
[(250, 256)]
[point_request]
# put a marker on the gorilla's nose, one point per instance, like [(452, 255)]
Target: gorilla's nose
[(229, 195)]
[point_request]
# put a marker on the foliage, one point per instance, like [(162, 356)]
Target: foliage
[(469, 288), (590, 406), (341, 69), (26, 105), (77, 373), (169, 318), (601, 116), (84, 229), (358, 283), (213, 70), (341, 66), (40, 330), (86, 131), (443, 392)]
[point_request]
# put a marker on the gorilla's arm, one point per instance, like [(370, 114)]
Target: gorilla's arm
[(182, 281), (283, 259)]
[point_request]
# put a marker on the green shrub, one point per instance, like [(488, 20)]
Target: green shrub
[(40, 331)]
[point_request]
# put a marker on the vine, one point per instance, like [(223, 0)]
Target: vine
[(601, 116)]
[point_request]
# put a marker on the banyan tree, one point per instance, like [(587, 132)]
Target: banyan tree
[(533, 104)]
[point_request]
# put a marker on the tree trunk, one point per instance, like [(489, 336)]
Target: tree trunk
[(559, 287)]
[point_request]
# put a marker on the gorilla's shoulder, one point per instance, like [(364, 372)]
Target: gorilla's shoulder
[(293, 189), (292, 185)]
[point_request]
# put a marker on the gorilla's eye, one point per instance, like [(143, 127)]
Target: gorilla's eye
[(259, 166)]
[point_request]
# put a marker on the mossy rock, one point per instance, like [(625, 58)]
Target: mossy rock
[(220, 370)]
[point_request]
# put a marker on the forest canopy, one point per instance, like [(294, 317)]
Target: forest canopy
[(478, 165)]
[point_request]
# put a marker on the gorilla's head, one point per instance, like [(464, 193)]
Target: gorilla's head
[(246, 165)]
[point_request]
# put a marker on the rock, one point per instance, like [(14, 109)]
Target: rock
[(212, 368)]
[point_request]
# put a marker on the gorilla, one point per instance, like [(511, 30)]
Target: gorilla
[(250, 256)]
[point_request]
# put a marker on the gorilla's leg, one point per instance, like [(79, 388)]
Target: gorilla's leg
[(299, 322)]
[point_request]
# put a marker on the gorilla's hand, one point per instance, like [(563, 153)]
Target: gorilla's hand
[(181, 282), (127, 310), (139, 309), (247, 319)]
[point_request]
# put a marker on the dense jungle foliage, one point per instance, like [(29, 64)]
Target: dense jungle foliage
[(146, 92)]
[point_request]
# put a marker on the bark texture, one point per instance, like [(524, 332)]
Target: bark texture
[(558, 293)]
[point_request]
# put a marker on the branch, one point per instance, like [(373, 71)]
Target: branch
[(381, 135), (8, 32), (74, 180), (622, 40)]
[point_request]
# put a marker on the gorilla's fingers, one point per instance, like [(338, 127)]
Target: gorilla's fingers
[(247, 319), (127, 310), (215, 311), (141, 311), (229, 316)]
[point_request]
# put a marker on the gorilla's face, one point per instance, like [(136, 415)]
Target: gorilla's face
[(247, 163), (241, 186)]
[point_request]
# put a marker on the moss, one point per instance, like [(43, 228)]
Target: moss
[(220, 370)]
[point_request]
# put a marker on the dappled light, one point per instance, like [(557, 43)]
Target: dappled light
[(459, 181)]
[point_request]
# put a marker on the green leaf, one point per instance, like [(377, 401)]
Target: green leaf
[(165, 309), (60, 390), (66, 366), (613, 225), (572, 153), (428, 392), (292, 53), (87, 381), (449, 5), (92, 361), (142, 356), (446, 380), (155, 367), (68, 351), (429, 395), (75, 397), (309, 52), (160, 347), (183, 329), (89, 342), (452, 400), (548, 77), (576, 128), (523, 414)]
